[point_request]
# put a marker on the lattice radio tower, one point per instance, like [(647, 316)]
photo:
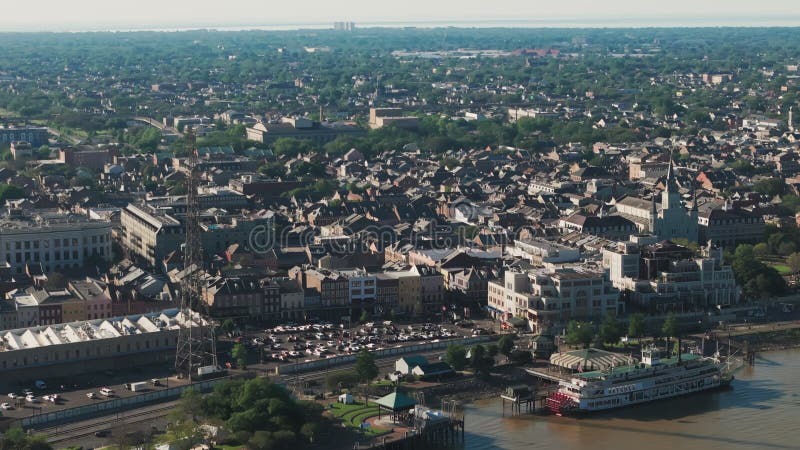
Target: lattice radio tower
[(196, 341)]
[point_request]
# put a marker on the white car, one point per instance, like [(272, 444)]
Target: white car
[(91, 395), (5, 406), (31, 399), (13, 395)]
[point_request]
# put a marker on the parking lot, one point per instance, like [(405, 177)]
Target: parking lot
[(284, 344), (298, 343), (79, 391)]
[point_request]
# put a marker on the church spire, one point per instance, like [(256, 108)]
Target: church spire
[(671, 184)]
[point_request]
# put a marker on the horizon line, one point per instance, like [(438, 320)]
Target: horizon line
[(595, 22)]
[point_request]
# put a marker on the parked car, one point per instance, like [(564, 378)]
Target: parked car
[(31, 399), (91, 395), (13, 395), (5, 406), (108, 392)]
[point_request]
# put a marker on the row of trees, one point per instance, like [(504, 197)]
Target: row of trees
[(610, 330)]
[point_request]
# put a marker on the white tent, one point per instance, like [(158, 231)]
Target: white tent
[(347, 399)]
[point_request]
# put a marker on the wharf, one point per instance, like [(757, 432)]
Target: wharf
[(548, 375)]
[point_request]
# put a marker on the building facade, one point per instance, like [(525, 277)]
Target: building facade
[(666, 277), (551, 299), (52, 240)]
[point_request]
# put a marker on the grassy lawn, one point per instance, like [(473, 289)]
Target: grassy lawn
[(338, 410), (353, 415), (782, 269)]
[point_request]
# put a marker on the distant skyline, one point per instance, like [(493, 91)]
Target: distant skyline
[(75, 15)]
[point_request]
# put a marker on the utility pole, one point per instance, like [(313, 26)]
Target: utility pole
[(196, 340)]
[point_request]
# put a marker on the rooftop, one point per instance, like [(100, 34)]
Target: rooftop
[(67, 333)]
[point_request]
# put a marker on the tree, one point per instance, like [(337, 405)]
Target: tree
[(228, 326), (506, 345), (239, 354), (366, 369), (670, 328), (480, 360), (521, 357), (364, 318), (580, 333), (456, 356), (786, 248), (761, 249), (770, 186), (18, 439), (636, 325), (338, 380), (10, 192), (610, 329)]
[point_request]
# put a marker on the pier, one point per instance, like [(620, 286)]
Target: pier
[(429, 430)]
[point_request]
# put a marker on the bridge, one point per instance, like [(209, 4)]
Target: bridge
[(157, 124)]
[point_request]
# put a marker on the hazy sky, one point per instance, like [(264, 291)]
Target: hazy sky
[(104, 14)]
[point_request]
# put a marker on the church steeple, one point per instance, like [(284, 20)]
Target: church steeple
[(670, 198)]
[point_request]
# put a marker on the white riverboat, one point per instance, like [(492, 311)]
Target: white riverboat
[(649, 380)]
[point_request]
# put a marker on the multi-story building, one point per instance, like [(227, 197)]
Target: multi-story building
[(150, 233), (431, 285), (386, 293), (21, 150), (333, 290), (469, 286), (409, 290), (82, 300), (363, 290), (548, 299), (301, 128), (92, 158), (243, 296), (292, 299), (540, 251), (664, 276), (730, 227), (96, 300), (36, 136), (52, 240)]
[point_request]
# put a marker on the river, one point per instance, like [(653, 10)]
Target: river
[(760, 411)]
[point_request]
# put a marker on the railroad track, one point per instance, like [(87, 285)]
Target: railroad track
[(60, 434)]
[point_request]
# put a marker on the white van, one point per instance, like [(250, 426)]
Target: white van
[(107, 392)]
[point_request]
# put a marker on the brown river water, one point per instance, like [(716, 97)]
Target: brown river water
[(761, 410)]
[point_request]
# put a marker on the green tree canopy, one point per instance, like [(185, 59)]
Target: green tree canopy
[(506, 345), (636, 325), (456, 356), (610, 330), (580, 333)]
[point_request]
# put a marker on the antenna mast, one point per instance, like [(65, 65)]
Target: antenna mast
[(196, 341)]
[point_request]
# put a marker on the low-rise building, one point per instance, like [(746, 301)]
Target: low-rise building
[(77, 348)]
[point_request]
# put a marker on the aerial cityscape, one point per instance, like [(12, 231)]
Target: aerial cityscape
[(430, 229)]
